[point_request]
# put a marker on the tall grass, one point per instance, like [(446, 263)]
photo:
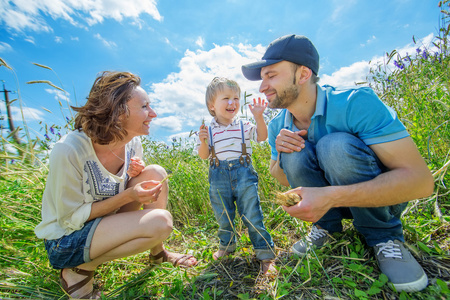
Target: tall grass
[(416, 85)]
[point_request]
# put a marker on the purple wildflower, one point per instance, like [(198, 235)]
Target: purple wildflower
[(47, 137), (398, 65), (52, 130)]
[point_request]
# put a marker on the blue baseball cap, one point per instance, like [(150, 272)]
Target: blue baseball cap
[(294, 48)]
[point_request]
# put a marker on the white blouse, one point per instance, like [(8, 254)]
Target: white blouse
[(75, 180)]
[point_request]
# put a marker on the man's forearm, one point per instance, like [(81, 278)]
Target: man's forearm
[(278, 173)]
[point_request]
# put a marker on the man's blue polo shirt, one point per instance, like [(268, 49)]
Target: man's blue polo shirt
[(357, 111)]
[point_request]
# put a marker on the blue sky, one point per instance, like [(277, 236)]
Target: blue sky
[(177, 47)]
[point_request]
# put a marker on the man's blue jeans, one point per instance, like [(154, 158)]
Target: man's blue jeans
[(342, 159), (231, 185)]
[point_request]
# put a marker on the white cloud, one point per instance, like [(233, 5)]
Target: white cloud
[(340, 7), (200, 42), (59, 95), (369, 41), (58, 39), (109, 44), (182, 95), (347, 76), (357, 72), (22, 15), (4, 47), (29, 39), (30, 114), (170, 123)]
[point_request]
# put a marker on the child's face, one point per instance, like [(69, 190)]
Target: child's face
[(225, 106)]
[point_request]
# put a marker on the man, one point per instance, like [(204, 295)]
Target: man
[(345, 154)]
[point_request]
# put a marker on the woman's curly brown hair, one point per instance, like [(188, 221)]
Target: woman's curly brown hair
[(100, 118)]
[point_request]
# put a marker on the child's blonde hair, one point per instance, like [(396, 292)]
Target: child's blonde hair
[(219, 84)]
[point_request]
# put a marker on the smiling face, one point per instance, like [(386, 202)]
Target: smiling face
[(225, 105), (140, 114), (279, 84)]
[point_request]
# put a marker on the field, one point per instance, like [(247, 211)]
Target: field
[(417, 86)]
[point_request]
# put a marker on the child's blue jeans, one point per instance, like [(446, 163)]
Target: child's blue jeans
[(234, 185), (342, 159)]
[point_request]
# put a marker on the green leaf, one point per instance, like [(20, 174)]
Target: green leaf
[(360, 293), (383, 279), (350, 283), (443, 286), (337, 280), (355, 267), (206, 295), (373, 290), (424, 247), (245, 296)]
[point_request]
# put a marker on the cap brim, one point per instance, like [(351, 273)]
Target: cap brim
[(253, 71)]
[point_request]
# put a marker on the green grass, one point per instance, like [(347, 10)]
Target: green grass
[(417, 87)]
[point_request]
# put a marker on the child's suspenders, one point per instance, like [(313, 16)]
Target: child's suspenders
[(244, 155)]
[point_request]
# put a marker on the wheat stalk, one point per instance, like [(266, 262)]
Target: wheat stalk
[(287, 199)]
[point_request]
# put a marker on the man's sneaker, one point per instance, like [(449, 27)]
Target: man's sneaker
[(316, 237), (402, 269)]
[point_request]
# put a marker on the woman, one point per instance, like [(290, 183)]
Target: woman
[(91, 207)]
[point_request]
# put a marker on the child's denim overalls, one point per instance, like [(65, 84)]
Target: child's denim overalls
[(234, 183)]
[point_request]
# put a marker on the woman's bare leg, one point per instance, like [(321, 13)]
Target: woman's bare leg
[(122, 235), (158, 173)]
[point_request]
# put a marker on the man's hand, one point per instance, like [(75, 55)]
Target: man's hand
[(314, 205), (289, 141)]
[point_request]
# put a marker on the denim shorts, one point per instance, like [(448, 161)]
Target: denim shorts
[(72, 250)]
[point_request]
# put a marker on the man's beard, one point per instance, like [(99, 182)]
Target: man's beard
[(287, 97)]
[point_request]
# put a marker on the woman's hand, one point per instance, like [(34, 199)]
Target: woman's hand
[(147, 191), (136, 166)]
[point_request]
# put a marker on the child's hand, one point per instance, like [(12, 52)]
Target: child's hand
[(136, 166), (258, 107), (203, 134)]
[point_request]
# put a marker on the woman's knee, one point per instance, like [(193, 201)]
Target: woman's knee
[(159, 221), (154, 172), (151, 172)]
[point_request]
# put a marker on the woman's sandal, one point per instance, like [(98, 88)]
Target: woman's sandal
[(163, 257), (94, 294)]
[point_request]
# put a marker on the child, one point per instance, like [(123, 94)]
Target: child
[(233, 181)]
